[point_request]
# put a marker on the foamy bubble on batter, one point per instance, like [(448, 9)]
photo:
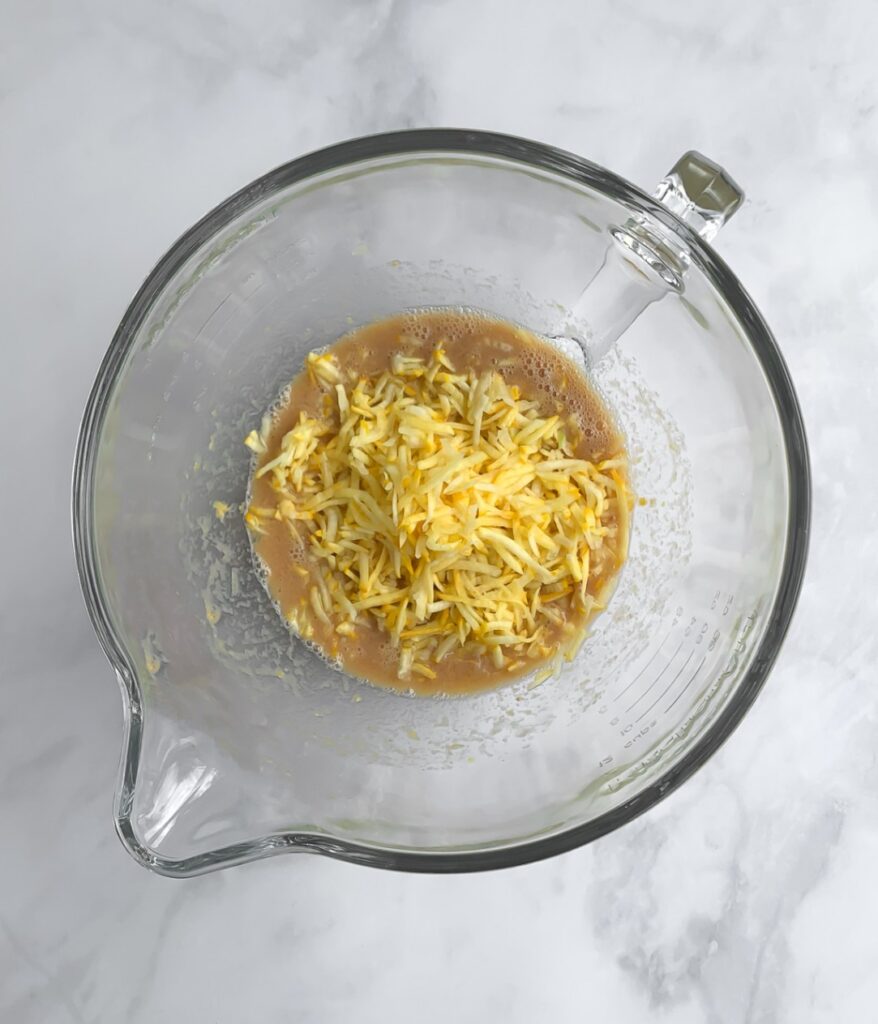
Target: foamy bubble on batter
[(540, 366), (262, 571), (280, 403), (452, 322)]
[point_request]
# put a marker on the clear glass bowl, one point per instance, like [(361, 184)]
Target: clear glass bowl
[(239, 742)]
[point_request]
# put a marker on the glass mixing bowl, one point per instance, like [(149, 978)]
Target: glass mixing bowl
[(239, 741)]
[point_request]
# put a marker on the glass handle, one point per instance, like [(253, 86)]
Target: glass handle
[(645, 259)]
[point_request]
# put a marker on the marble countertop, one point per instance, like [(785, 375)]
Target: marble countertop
[(748, 895)]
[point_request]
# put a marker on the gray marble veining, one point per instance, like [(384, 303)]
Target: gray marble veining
[(745, 898)]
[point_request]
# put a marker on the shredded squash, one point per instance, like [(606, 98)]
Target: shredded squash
[(444, 507)]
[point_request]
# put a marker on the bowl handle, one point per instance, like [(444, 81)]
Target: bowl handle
[(646, 259)]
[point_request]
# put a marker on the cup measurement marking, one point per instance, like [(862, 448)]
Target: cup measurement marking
[(645, 667), (667, 689), (686, 687), (657, 678), (708, 642)]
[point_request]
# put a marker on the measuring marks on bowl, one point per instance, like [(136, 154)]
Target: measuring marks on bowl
[(669, 682)]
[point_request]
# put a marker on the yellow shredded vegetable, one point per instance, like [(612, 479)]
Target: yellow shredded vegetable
[(446, 508)]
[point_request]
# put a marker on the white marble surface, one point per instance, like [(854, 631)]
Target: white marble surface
[(749, 895)]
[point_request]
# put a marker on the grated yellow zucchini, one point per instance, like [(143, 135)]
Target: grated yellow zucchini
[(446, 508)]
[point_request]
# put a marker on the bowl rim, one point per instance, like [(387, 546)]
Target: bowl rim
[(427, 142)]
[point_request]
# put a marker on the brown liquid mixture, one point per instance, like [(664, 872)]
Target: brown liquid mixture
[(471, 341)]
